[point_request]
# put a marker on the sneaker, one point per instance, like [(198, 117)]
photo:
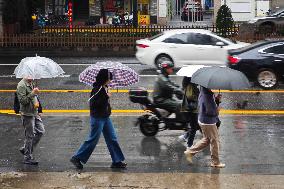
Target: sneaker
[(76, 162), (220, 165), (120, 165), (30, 162), (188, 156)]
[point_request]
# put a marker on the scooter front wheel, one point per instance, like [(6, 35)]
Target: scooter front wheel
[(149, 128)]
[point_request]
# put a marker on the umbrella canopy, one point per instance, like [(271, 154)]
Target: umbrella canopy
[(189, 70), (122, 75), (38, 67), (220, 78)]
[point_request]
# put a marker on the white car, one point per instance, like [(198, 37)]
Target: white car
[(185, 46)]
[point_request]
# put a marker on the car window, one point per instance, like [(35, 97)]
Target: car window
[(203, 39), (278, 49), (177, 38)]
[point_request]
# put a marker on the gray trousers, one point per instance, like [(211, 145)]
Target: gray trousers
[(34, 129)]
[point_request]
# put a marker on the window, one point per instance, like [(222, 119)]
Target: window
[(59, 6), (278, 49), (177, 38), (203, 39)]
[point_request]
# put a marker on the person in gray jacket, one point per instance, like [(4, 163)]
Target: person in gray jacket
[(31, 118), (207, 119), (165, 89)]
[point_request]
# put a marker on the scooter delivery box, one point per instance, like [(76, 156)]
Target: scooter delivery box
[(138, 95)]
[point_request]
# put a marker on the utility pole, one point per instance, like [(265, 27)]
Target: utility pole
[(135, 15)]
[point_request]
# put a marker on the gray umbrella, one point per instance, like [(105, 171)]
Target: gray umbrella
[(220, 78)]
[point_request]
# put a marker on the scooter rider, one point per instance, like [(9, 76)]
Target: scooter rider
[(165, 89)]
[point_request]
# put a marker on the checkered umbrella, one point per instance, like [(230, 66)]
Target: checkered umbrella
[(122, 75)]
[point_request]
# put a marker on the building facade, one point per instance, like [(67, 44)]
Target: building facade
[(277, 4), (244, 10), (103, 11)]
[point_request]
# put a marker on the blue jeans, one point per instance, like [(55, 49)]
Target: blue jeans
[(99, 125)]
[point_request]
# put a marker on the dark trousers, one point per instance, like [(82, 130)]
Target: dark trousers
[(194, 126), (170, 104)]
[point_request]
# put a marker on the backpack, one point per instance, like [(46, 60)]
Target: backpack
[(16, 103)]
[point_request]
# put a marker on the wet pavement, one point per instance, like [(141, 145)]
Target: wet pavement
[(251, 145)]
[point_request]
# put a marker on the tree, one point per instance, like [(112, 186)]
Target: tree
[(224, 21)]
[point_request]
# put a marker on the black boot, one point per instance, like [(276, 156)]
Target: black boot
[(120, 165)]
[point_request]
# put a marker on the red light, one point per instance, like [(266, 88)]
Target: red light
[(142, 45), (233, 59)]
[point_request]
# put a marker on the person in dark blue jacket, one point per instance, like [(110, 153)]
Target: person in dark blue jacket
[(100, 111), (207, 118)]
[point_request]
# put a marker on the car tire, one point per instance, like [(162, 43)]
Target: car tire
[(161, 58), (267, 78)]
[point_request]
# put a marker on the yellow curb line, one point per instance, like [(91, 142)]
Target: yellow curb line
[(71, 91), (126, 91), (223, 111)]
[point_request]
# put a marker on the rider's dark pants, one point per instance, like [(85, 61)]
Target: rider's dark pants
[(168, 104)]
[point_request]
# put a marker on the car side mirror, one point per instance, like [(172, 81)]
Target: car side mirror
[(220, 44)]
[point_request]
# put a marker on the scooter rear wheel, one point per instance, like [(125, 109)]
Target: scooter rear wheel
[(149, 128)]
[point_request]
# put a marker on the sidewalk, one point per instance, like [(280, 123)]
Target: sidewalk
[(92, 180)]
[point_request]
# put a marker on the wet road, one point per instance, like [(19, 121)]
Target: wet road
[(251, 144)]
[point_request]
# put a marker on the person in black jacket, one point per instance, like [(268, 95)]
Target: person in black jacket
[(100, 111)]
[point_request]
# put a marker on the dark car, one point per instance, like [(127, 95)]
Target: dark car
[(261, 62), (269, 23), (191, 10)]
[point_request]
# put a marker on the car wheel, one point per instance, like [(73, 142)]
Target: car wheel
[(162, 58), (267, 79)]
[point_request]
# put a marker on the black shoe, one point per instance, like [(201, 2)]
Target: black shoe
[(76, 162), (30, 162), (120, 165)]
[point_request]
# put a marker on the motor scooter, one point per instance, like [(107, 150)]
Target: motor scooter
[(155, 119)]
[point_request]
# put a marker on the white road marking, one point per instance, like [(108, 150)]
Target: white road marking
[(69, 64), (9, 76)]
